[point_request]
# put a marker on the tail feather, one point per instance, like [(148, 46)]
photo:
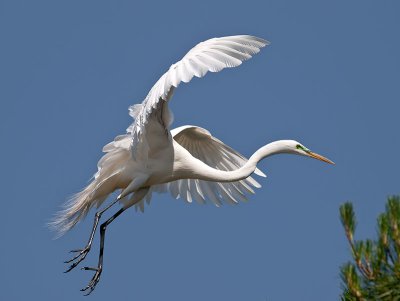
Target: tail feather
[(105, 181), (80, 204), (75, 209)]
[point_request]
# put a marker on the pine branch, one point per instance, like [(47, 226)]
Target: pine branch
[(375, 273)]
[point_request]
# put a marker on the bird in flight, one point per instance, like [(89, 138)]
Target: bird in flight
[(186, 161)]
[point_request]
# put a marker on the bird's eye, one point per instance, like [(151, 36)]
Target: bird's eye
[(299, 146)]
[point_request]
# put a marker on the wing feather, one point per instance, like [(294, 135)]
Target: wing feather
[(212, 55), (202, 145), (198, 193)]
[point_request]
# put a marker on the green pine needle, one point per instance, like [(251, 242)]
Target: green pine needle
[(375, 272)]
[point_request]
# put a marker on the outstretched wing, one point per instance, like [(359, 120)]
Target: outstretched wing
[(212, 55), (202, 145)]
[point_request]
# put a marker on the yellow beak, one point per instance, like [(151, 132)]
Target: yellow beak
[(319, 157)]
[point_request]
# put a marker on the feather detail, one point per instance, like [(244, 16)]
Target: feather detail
[(212, 55)]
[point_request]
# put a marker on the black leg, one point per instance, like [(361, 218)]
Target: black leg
[(81, 253), (138, 195), (96, 277)]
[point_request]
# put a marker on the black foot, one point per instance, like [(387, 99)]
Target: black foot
[(77, 258), (95, 279)]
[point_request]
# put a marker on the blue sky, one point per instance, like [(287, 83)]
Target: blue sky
[(330, 79)]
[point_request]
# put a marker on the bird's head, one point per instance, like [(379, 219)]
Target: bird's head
[(297, 148)]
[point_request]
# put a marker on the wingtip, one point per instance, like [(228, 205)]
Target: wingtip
[(262, 41), (260, 173)]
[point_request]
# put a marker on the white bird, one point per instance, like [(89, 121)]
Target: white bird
[(187, 161)]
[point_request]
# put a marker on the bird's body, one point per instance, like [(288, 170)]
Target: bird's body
[(187, 161)]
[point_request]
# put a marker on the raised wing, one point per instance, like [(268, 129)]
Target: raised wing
[(202, 145), (212, 55)]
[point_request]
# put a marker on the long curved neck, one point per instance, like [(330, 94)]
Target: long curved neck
[(204, 172)]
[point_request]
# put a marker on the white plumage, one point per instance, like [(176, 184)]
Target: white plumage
[(208, 149), (153, 114), (187, 161)]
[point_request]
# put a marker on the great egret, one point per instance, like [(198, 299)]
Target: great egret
[(187, 161)]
